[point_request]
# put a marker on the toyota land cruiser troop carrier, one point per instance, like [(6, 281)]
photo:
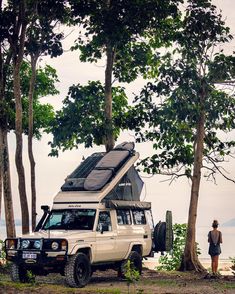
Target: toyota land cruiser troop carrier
[(97, 221)]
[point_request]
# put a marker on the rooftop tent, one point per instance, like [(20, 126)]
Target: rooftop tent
[(136, 182), (106, 168), (128, 188), (100, 168)]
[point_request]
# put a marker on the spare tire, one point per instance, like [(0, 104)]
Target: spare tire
[(163, 234), (160, 237)]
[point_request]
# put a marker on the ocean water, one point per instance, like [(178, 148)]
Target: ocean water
[(227, 247), (228, 235)]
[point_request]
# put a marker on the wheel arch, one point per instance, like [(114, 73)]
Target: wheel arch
[(137, 247), (86, 250)]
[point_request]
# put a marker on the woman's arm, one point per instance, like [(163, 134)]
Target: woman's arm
[(220, 237)]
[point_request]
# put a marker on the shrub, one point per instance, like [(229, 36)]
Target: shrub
[(131, 274), (2, 251), (171, 261)]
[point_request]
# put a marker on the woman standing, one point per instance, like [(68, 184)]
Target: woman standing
[(214, 239)]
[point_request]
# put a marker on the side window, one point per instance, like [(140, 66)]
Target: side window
[(139, 217), (123, 217), (104, 222), (149, 219)]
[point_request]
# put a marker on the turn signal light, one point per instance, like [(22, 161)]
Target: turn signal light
[(63, 245)]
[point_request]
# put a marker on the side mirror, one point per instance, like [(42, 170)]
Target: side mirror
[(105, 228), (102, 228)]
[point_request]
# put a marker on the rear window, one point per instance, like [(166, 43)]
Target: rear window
[(123, 217), (149, 218), (139, 217)]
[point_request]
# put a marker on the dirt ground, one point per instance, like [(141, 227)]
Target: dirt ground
[(151, 282)]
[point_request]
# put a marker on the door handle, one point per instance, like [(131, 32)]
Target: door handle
[(111, 238)]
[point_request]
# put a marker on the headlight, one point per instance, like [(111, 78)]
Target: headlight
[(25, 244), (37, 244), (54, 245)]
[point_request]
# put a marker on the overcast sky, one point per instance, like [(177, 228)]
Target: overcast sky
[(215, 201)]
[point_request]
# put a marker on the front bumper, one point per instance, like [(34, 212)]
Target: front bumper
[(32, 257)]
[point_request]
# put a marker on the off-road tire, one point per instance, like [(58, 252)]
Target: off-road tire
[(19, 274), (78, 270), (163, 234), (160, 237), (136, 261)]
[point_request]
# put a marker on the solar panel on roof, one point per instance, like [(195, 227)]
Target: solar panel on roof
[(75, 180), (86, 166)]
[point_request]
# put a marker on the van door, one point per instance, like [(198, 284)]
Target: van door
[(105, 238)]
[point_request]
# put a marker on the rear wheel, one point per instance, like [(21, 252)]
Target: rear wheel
[(78, 270), (19, 274), (135, 263)]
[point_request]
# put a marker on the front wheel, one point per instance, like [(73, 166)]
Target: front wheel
[(19, 274), (78, 270)]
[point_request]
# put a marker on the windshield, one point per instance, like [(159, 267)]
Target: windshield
[(70, 219)]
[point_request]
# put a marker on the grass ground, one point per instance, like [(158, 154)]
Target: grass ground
[(151, 282)]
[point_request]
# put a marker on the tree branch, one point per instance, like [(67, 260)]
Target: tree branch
[(217, 168)]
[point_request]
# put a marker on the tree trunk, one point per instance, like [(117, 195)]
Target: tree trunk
[(1, 119), (1, 169), (6, 179), (109, 137), (17, 60), (30, 142), (190, 259), (18, 154)]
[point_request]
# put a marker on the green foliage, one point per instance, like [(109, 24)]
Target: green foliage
[(171, 261), (2, 251), (131, 274), (168, 110), (82, 120), (31, 277), (127, 27), (45, 84), (46, 79)]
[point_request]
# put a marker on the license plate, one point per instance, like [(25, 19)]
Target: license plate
[(29, 255)]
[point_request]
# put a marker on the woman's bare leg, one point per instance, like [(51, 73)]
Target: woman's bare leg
[(216, 259), (214, 263), (213, 268)]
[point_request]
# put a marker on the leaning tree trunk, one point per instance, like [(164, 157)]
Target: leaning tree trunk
[(18, 57), (190, 259), (6, 179), (30, 142), (109, 137)]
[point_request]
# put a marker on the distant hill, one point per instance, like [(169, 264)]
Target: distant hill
[(230, 223)]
